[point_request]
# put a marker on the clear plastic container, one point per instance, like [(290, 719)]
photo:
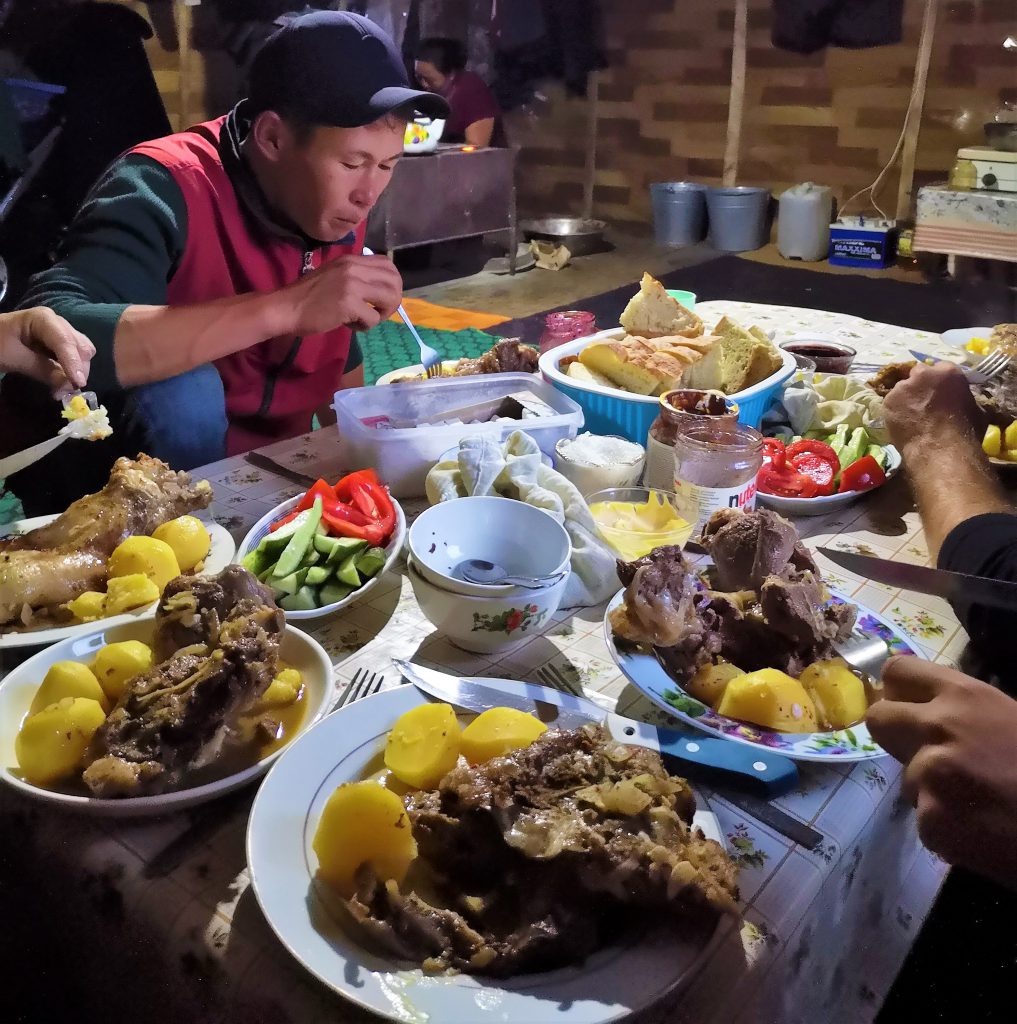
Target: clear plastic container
[(402, 455)]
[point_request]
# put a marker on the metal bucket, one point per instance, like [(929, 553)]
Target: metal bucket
[(679, 212), (739, 218)]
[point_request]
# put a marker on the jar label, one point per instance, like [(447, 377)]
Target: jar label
[(659, 464), (697, 503)]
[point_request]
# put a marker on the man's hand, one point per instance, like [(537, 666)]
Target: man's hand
[(353, 291), (957, 738), (933, 400), (44, 346)]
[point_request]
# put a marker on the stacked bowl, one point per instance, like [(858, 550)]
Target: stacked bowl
[(520, 539)]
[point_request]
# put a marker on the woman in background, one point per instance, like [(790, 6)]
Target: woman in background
[(475, 117)]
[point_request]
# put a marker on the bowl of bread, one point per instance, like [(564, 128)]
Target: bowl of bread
[(618, 375)]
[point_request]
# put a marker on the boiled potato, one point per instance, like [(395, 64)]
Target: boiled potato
[(423, 745), (283, 690), (771, 699), (188, 538), (151, 558), (497, 731), (126, 592), (839, 695), (710, 682), (68, 679), (1010, 436), (88, 607), (992, 442), (117, 664), (363, 823), (51, 745)]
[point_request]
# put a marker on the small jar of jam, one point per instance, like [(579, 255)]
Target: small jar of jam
[(715, 467), (566, 326), (682, 409)]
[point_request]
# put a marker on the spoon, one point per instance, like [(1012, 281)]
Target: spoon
[(479, 570)]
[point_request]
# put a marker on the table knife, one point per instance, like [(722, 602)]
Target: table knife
[(684, 752), (923, 580), (264, 462), (973, 376)]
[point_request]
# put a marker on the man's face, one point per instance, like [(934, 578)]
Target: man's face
[(327, 183), (428, 75)]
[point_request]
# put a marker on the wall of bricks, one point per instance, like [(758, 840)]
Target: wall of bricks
[(833, 117)]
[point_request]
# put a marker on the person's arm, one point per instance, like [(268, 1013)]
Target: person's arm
[(479, 132), (934, 422), (41, 345), (110, 283)]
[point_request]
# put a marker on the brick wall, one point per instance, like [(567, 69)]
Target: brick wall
[(833, 117)]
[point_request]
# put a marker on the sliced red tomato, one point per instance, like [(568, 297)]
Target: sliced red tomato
[(862, 475), (344, 486), (773, 451), (810, 447), (785, 482), (319, 489), (816, 466)]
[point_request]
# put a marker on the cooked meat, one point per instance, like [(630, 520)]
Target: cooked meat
[(47, 567), (176, 717), (542, 854), (887, 377), (508, 356), (192, 610), (746, 547), (1004, 336)]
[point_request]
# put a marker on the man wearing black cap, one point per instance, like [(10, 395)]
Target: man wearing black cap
[(219, 271)]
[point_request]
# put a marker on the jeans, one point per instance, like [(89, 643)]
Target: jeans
[(181, 420)]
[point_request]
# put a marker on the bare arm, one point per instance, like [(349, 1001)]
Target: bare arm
[(479, 133), (935, 423)]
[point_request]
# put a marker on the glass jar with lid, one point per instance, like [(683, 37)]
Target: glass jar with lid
[(715, 467), (566, 326), (681, 409)]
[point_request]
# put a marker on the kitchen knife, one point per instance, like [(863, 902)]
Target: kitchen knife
[(264, 462), (920, 578), (688, 753), (973, 376)]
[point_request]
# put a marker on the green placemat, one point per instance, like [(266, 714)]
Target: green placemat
[(390, 346)]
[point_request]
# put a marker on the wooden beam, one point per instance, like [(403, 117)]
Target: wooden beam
[(184, 24), (590, 169), (736, 101)]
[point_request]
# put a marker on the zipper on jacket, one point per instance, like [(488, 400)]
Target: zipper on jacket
[(275, 372)]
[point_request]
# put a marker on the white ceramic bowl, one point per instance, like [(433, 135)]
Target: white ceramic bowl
[(18, 689), (484, 625), (523, 540), (392, 552), (960, 336), (589, 478)]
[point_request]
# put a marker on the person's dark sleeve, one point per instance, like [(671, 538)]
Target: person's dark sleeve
[(355, 357), (984, 545), (476, 102), (120, 250)]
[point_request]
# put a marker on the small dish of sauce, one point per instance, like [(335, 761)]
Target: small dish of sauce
[(830, 356)]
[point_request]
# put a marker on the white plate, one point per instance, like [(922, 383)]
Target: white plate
[(613, 983), (448, 367), (819, 506), (220, 554), (392, 549), (18, 688), (640, 666), (960, 336)]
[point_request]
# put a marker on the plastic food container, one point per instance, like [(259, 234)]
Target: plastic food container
[(610, 411), (402, 456)]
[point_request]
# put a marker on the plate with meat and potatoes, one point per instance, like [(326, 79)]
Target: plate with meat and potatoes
[(429, 865), (155, 715), (748, 649), (107, 558)]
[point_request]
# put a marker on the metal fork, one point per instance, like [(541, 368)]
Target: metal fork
[(991, 366), (364, 684), (551, 675), (430, 358)]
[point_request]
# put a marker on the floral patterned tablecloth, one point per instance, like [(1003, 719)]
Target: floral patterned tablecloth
[(823, 933)]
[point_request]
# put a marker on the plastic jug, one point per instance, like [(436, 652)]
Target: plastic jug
[(803, 224)]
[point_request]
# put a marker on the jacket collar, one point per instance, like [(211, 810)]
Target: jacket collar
[(235, 130)]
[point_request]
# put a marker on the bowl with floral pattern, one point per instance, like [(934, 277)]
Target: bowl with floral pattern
[(646, 673)]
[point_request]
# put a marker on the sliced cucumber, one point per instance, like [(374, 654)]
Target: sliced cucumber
[(304, 600), (275, 542), (301, 539), (257, 561), (289, 584), (317, 575), (347, 572), (371, 561), (333, 592), (338, 549)]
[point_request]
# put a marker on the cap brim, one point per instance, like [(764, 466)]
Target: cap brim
[(428, 104)]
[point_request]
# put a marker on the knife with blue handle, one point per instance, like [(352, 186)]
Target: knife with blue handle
[(684, 752), (973, 376)]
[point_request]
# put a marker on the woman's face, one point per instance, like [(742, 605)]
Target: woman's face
[(429, 76)]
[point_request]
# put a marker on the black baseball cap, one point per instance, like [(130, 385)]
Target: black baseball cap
[(334, 68)]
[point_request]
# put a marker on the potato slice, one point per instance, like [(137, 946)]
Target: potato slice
[(363, 823), (152, 558), (497, 731), (710, 682), (839, 695), (423, 745), (188, 538), (68, 679), (88, 607), (126, 592), (52, 744), (117, 664), (771, 699)]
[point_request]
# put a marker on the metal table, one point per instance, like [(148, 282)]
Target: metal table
[(454, 192)]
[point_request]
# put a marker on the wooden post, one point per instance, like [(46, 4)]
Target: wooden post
[(736, 102), (590, 169), (906, 185), (184, 24)]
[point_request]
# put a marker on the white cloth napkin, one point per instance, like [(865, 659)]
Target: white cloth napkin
[(514, 469), (829, 401)]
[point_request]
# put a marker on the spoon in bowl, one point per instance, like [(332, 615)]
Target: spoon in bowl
[(479, 570)]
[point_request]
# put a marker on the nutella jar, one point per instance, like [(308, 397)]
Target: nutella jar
[(715, 467), (680, 410)]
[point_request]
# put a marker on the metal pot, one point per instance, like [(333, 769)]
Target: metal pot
[(579, 236), (1002, 135)]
